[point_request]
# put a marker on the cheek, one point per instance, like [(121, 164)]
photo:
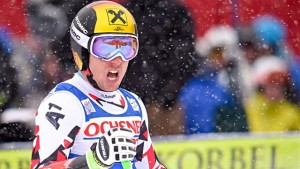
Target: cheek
[(125, 66), (95, 64)]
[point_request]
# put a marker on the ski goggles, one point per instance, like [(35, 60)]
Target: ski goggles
[(107, 46)]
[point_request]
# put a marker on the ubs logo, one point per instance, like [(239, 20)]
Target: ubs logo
[(116, 17)]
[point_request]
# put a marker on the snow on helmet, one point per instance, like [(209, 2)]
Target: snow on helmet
[(218, 36), (101, 17)]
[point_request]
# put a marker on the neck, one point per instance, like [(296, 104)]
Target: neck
[(88, 76)]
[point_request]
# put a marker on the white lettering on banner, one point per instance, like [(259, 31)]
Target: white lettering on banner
[(97, 127)]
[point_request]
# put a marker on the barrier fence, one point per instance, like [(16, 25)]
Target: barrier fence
[(231, 151), (205, 151)]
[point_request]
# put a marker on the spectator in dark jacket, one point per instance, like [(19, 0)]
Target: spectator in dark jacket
[(211, 101)]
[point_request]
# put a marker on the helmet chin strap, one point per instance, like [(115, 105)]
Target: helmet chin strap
[(89, 77)]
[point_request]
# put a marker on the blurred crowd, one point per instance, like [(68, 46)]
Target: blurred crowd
[(233, 78)]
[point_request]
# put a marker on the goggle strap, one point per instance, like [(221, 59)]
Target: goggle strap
[(87, 72), (79, 37), (89, 76)]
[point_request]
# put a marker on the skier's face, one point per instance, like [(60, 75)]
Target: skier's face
[(108, 74)]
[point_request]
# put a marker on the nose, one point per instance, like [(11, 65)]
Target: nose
[(117, 60)]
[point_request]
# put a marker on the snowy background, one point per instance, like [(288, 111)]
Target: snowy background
[(204, 67)]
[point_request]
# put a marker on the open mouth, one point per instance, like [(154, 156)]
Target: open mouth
[(112, 75)]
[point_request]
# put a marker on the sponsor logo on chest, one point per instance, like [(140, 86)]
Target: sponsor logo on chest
[(111, 103), (98, 126)]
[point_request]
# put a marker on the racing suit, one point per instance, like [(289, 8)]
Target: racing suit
[(74, 115)]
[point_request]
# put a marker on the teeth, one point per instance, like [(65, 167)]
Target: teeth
[(113, 71), (113, 74)]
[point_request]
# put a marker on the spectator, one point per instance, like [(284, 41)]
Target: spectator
[(48, 21), (248, 45), (272, 40), (208, 100), (35, 53), (248, 42), (269, 110)]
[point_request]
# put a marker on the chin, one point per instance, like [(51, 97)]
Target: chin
[(111, 89)]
